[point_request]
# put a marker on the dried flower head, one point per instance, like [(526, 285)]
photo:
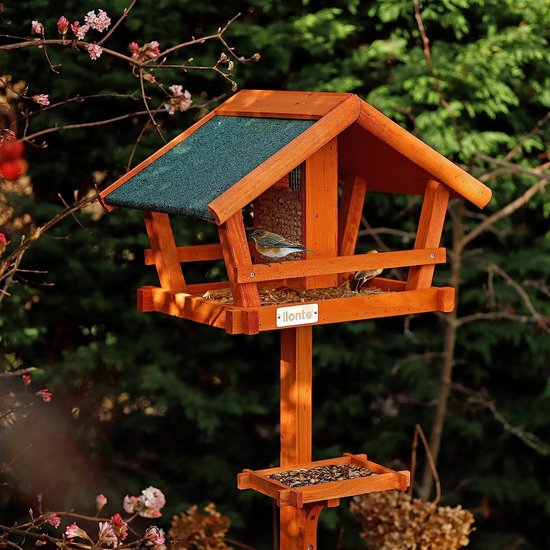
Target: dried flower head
[(194, 529), (391, 520)]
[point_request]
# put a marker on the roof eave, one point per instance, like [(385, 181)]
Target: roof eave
[(281, 163), (441, 168)]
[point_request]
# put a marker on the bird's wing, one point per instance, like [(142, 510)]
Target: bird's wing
[(276, 241)]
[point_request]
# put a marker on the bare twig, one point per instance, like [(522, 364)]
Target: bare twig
[(481, 399), (504, 212), (120, 20), (149, 112), (18, 372), (428, 56), (53, 129)]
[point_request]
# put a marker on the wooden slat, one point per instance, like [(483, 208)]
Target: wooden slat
[(320, 216), (149, 160), (286, 159), (424, 156), (236, 254), (430, 228), (358, 262), (352, 487), (164, 252), (371, 306), (281, 104), (182, 305), (349, 216)]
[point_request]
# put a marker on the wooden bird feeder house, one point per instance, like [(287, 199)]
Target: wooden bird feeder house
[(301, 163)]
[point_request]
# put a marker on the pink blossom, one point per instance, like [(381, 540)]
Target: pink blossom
[(53, 519), (153, 500), (120, 527), (154, 536), (134, 49), (37, 28), (176, 90), (99, 22), (130, 504), (45, 394), (73, 531), (3, 243), (152, 49), (147, 505), (79, 30), (180, 100), (26, 379), (101, 501), (62, 25), (94, 51), (41, 99), (40, 542), (149, 76), (106, 534)]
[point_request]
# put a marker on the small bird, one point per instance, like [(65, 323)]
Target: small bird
[(361, 277), (274, 246)]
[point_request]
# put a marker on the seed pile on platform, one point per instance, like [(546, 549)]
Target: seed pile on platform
[(322, 474), (287, 295)]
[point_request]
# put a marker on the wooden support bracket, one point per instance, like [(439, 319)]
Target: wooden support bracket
[(164, 251), (236, 253), (430, 228)]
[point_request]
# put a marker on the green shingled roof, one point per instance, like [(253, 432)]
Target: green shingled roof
[(211, 160)]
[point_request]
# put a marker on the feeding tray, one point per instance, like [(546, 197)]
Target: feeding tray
[(212, 305), (371, 477)]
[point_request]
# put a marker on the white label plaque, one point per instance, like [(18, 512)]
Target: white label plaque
[(297, 315)]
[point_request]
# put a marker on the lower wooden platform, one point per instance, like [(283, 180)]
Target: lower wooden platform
[(238, 320), (383, 480)]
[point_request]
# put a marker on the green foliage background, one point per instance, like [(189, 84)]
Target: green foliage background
[(149, 400)]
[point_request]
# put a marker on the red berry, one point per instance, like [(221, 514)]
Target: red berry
[(12, 169), (11, 150)]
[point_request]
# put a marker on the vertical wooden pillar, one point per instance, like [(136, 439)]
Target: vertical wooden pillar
[(349, 217), (296, 417), (164, 251), (428, 235), (296, 397), (320, 216), (236, 252)]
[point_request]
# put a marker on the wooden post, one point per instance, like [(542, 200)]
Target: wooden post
[(428, 235), (298, 527), (320, 216), (236, 252), (164, 251)]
